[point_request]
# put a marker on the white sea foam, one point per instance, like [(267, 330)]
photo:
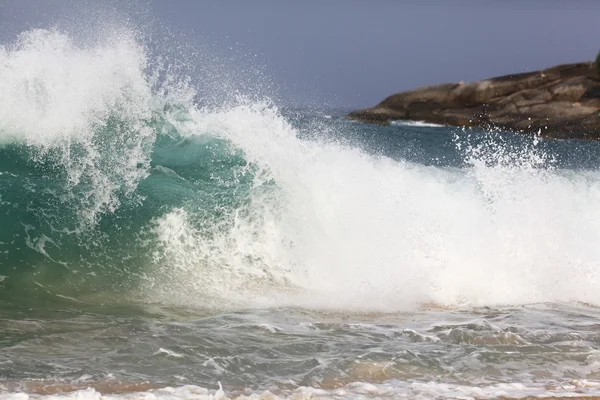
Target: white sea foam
[(58, 97), (358, 390), (354, 231), (417, 124)]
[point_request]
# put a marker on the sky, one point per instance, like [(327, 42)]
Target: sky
[(351, 53)]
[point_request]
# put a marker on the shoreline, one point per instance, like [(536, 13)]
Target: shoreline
[(376, 387)]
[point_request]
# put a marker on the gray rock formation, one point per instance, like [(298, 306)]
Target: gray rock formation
[(562, 101)]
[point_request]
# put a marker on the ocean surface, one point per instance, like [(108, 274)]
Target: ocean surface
[(153, 246)]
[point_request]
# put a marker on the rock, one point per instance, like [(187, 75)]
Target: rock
[(592, 93), (562, 101)]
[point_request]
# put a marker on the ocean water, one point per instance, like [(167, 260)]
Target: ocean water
[(154, 246)]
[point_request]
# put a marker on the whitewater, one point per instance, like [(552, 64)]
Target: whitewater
[(154, 245)]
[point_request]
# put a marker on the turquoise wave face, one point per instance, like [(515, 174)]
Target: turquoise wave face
[(49, 247)]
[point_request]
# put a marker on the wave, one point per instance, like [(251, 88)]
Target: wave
[(575, 388), (115, 185), (417, 124)]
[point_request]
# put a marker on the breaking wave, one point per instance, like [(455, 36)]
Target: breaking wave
[(115, 184)]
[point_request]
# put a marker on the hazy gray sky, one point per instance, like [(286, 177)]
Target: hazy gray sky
[(354, 53)]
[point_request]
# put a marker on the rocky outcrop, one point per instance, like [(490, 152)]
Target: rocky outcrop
[(562, 101)]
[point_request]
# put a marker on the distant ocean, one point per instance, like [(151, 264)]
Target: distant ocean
[(154, 248)]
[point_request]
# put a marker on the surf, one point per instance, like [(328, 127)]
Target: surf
[(115, 183)]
